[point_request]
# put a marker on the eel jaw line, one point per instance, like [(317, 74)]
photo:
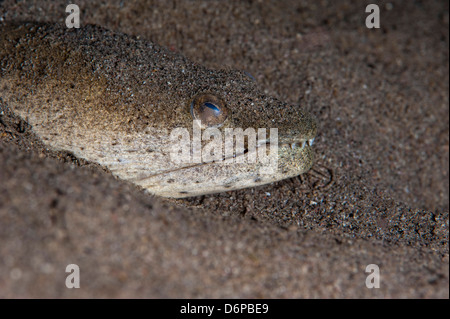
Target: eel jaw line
[(299, 144)]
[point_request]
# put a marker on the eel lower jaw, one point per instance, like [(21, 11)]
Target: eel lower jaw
[(292, 143), (299, 144)]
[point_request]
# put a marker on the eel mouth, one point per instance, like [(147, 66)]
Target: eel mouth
[(295, 146), (298, 144)]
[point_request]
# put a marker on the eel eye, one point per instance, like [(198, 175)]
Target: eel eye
[(209, 109)]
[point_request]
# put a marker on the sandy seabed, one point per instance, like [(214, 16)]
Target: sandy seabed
[(378, 193)]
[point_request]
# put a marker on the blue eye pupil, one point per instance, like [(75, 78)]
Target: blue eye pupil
[(213, 107)]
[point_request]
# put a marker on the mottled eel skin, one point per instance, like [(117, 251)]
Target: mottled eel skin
[(113, 99)]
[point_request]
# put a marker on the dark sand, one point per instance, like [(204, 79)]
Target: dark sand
[(378, 194)]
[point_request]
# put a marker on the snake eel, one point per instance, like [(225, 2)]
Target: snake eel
[(114, 99)]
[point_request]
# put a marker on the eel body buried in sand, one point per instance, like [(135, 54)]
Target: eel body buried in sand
[(114, 100)]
